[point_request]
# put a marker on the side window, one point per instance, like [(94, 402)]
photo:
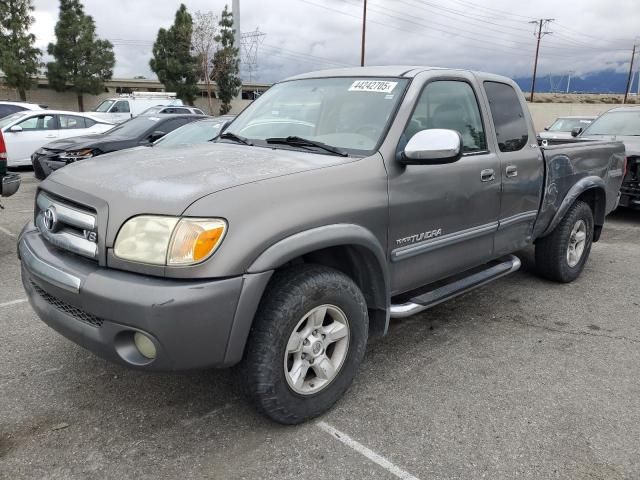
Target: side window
[(39, 122), (121, 106), (171, 125), (89, 123), (453, 105), (69, 122), (508, 117)]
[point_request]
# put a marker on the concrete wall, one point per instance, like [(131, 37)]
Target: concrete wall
[(545, 113), (69, 100)]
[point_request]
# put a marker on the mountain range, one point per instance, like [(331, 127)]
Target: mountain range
[(606, 81)]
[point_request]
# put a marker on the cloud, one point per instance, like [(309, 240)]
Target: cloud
[(304, 35)]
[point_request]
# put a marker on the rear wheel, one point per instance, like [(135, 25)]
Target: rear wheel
[(561, 255), (306, 344)]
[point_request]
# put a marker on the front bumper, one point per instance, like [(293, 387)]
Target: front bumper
[(193, 324), (45, 164), (630, 195), (10, 184)]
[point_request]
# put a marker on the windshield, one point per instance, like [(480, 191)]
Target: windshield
[(616, 123), (196, 132), (134, 127), (104, 106), (568, 124), (348, 113), (12, 118)]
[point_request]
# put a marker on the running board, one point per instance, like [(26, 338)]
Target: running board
[(451, 290)]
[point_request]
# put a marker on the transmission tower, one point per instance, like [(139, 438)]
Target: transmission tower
[(249, 46)]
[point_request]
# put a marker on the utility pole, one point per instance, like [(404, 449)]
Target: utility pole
[(543, 22), (364, 29), (626, 90)]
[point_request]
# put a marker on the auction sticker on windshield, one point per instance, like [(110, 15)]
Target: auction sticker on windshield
[(379, 86)]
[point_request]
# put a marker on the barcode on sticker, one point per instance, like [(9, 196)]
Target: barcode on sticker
[(379, 86)]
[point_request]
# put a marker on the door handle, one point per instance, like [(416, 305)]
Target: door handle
[(487, 175), (511, 171)]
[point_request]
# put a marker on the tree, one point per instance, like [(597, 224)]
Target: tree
[(172, 59), (81, 60), (19, 59), (203, 41), (226, 63)]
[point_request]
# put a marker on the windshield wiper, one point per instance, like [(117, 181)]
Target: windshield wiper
[(235, 138), (305, 142)]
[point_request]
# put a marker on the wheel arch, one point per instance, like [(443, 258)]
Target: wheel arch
[(592, 191), (349, 248)]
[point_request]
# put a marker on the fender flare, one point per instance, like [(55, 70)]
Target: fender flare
[(260, 271), (583, 185)]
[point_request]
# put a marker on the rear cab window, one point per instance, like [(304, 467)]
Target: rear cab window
[(508, 117)]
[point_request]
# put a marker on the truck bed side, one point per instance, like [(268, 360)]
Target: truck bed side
[(572, 168)]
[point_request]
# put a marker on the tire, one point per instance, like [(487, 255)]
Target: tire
[(553, 259), (274, 357)]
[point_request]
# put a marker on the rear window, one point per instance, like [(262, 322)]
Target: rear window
[(508, 116)]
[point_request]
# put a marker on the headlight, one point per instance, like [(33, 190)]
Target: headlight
[(77, 154), (169, 240)]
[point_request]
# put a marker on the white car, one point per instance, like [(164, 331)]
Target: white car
[(7, 108), (26, 131)]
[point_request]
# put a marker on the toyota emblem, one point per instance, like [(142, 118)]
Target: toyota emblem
[(50, 219)]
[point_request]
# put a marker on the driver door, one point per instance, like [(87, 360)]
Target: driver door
[(443, 218)]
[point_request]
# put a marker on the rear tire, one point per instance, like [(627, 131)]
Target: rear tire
[(307, 341), (561, 255)]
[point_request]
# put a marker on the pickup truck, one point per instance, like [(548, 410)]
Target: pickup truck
[(336, 201)]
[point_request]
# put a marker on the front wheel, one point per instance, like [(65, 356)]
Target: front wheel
[(561, 255), (306, 344)]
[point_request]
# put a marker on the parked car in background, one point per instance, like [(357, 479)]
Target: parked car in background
[(26, 131), (623, 124), (9, 182), (293, 238), (563, 126), (172, 109), (199, 131), (139, 131), (124, 107), (7, 108)]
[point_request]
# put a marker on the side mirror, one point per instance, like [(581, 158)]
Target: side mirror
[(576, 131), (155, 135), (546, 129), (15, 129), (433, 146)]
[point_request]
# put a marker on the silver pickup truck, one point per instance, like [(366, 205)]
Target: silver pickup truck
[(334, 202)]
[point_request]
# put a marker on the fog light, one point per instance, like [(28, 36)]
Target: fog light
[(144, 345)]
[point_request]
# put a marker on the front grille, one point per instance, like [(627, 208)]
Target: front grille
[(67, 225), (64, 307)]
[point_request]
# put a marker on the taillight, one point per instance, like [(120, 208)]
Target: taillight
[(3, 148)]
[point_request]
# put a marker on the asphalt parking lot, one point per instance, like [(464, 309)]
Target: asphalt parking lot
[(521, 379)]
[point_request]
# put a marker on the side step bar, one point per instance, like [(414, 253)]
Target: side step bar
[(446, 292)]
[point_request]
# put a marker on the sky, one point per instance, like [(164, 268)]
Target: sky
[(306, 35)]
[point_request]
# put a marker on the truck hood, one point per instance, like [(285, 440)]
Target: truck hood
[(631, 142), (167, 180)]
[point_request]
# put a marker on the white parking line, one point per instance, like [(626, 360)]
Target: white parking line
[(370, 454), (13, 302), (7, 232)]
